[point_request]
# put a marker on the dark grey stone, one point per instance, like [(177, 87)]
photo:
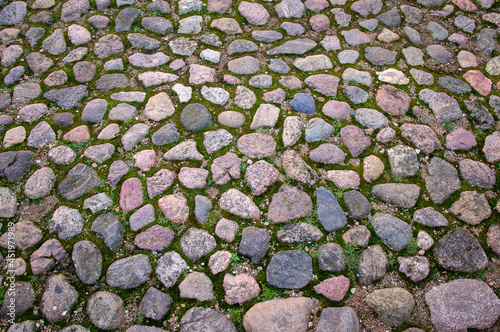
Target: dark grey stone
[(254, 243), (486, 40), (394, 232), (109, 228), (109, 82), (23, 296), (87, 259), (196, 117), (64, 119), (139, 40), (331, 257), (460, 251), (400, 194), (134, 135), (125, 18), (14, 164), (33, 35), (278, 66), (41, 135), (80, 180), (355, 94), (454, 85), (13, 76), (290, 269), (372, 265), (202, 206), (129, 272), (165, 135), (359, 207), (430, 217), (481, 116), (241, 46), (205, 319), (295, 46), (155, 304), (5, 100), (341, 319), (67, 97), (391, 17), (441, 180), (299, 232), (94, 110), (116, 171)]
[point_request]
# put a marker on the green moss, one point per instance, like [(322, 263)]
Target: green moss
[(351, 255)]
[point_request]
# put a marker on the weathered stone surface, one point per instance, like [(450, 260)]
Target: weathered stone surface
[(416, 268), (205, 319), (355, 139), (289, 269), (403, 161), (460, 251), (24, 297), (257, 145), (196, 243), (58, 298), (430, 217), (291, 314), (393, 305), (80, 180), (106, 310), (237, 203), (462, 304), (169, 267), (298, 233), (400, 194), (372, 265), (289, 203), (330, 214), (254, 243), (472, 207), (197, 286), (174, 207), (441, 180), (335, 319), (298, 169), (476, 173), (423, 137), (394, 232), (66, 222), (109, 228), (331, 257), (155, 304), (87, 259)]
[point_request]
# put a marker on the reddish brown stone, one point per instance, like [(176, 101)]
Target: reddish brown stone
[(334, 288), (479, 81), (392, 100), (131, 194)]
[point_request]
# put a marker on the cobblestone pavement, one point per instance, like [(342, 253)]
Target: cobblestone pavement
[(249, 165)]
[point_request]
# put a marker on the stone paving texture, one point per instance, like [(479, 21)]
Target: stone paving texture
[(250, 165)]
